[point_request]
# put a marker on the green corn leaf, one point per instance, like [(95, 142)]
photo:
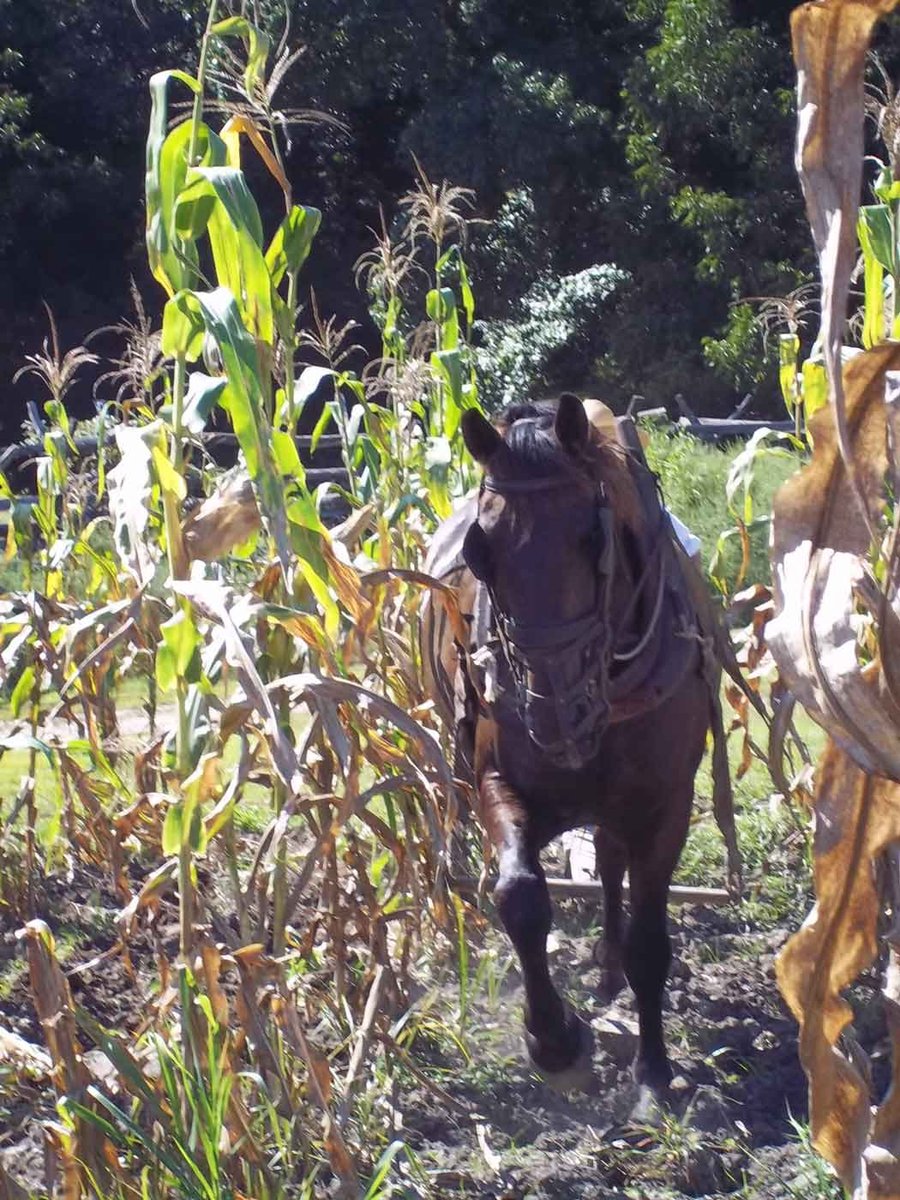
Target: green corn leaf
[(390, 329), (173, 262), (290, 247), (382, 1170), (257, 44), (302, 511), (883, 183), (449, 366), (217, 200), (244, 401), (192, 828), (871, 231), (468, 297), (177, 656), (22, 690), (788, 350), (287, 457), (876, 222), (815, 386), (441, 308), (182, 1172), (169, 478), (326, 416), (56, 414), (172, 830), (182, 637), (165, 264), (183, 329), (453, 258), (203, 393)]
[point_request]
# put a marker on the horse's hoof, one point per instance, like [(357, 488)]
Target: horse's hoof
[(650, 1106), (575, 1075)]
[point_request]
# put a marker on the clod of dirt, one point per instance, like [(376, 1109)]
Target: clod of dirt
[(708, 1111), (708, 1172), (616, 1033)]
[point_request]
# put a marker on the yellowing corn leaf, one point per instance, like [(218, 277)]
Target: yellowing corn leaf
[(231, 135), (346, 582)]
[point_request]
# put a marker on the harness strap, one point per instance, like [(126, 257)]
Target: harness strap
[(542, 484), (546, 637)]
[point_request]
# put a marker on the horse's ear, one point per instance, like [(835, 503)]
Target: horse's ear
[(571, 422), (481, 438)]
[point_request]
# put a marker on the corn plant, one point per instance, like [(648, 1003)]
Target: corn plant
[(280, 675)]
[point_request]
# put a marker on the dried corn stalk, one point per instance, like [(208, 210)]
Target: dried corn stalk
[(835, 632), (83, 1145)]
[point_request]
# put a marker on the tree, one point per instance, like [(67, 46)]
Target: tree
[(73, 115), (652, 137)]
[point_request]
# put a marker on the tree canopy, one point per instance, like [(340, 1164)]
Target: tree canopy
[(651, 138)]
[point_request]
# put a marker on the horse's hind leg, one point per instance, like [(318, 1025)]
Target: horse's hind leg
[(609, 951), (559, 1043)]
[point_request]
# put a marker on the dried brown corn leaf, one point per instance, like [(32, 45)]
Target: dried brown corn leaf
[(224, 520), (820, 541), (55, 1009), (830, 42), (857, 817)]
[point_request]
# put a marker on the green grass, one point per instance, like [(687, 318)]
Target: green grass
[(773, 834), (693, 477)]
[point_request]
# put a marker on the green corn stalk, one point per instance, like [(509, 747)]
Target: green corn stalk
[(197, 193)]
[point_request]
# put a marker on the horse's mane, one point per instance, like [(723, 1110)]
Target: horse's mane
[(527, 430)]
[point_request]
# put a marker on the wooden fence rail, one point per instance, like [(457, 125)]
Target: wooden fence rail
[(707, 429)]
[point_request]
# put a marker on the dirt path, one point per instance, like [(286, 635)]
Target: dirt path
[(133, 723), (738, 1084)]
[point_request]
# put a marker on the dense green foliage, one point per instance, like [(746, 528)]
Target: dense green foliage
[(651, 137)]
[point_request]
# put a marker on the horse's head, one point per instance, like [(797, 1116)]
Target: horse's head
[(542, 546)]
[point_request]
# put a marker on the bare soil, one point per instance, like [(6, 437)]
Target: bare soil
[(738, 1084)]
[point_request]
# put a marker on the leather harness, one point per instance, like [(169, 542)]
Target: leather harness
[(594, 680)]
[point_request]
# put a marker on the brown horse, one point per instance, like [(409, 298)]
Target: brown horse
[(587, 705)]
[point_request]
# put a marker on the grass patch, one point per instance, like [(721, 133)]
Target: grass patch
[(693, 476), (772, 835)]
